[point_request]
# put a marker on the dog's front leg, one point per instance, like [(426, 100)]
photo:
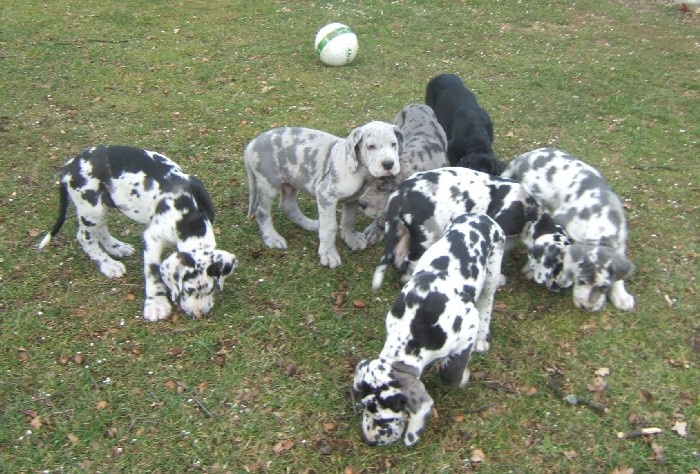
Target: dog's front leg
[(355, 240), (327, 229), (156, 306)]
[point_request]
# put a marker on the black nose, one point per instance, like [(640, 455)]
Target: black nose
[(387, 165), (367, 441)]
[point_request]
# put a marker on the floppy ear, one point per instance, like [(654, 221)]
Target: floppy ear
[(418, 403), (399, 137), (172, 270), (621, 267), (222, 265), (353, 148)]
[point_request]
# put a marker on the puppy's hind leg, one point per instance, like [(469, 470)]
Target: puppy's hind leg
[(263, 215), (92, 226), (290, 206), (114, 247)]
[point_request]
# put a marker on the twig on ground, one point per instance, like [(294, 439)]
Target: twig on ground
[(572, 399), (637, 433)]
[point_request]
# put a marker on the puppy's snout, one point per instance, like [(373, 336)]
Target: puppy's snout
[(388, 164)]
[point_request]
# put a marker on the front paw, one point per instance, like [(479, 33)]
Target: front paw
[(156, 308), (622, 300), (481, 345), (275, 241), (355, 240), (330, 258), (112, 269), (373, 233)]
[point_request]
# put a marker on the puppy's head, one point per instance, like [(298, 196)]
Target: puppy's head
[(376, 145), (374, 200), (592, 269), (546, 255), (393, 400), (192, 277)]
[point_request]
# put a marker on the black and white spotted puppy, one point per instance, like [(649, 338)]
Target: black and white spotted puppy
[(441, 316), (468, 127), (580, 200), (150, 189), (424, 204), (333, 170), (424, 148)]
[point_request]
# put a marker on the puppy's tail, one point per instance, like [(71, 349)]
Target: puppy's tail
[(391, 241), (62, 208), (202, 197), (252, 192)]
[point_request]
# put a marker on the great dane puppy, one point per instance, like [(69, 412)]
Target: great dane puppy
[(424, 204), (441, 316), (468, 127), (580, 200), (150, 189), (331, 169), (424, 147)]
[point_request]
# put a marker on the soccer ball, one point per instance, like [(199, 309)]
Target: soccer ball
[(336, 44)]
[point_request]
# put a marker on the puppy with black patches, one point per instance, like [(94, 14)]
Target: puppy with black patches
[(424, 204), (151, 189), (467, 125), (580, 201), (442, 316)]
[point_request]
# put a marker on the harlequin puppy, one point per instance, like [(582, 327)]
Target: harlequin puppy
[(150, 189), (581, 201), (331, 169), (468, 127), (442, 315), (425, 203), (424, 146)]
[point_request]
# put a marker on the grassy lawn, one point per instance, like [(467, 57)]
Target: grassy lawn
[(263, 383)]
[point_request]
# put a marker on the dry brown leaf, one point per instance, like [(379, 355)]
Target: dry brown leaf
[(130, 297), (623, 470), (458, 418), (33, 233), (359, 304), (349, 470), (79, 358), (570, 455), (602, 372), (680, 428), (477, 456), (35, 422), (598, 384), (283, 446), (73, 438), (22, 355), (101, 405), (329, 427), (659, 455), (63, 359)]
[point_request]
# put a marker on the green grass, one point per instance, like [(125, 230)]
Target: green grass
[(262, 384)]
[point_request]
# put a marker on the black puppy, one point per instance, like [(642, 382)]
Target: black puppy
[(468, 127)]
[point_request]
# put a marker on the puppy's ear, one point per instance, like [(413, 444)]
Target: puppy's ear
[(172, 270), (418, 403), (399, 137), (353, 146), (222, 265), (621, 267)]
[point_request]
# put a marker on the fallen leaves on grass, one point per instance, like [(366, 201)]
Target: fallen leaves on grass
[(283, 447), (477, 456), (623, 470), (680, 428), (22, 355), (659, 455), (74, 439)]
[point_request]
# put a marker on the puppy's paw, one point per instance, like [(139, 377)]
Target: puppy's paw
[(274, 241), (119, 249), (622, 300), (156, 308), (112, 269), (373, 233), (330, 258), (481, 345), (355, 240)]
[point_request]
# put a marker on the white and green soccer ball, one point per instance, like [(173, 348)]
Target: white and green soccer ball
[(336, 44)]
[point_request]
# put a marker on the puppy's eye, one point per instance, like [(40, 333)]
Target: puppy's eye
[(190, 291), (371, 147)]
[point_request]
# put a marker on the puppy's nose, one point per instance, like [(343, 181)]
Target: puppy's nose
[(387, 165)]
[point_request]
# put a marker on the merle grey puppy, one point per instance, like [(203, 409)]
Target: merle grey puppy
[(468, 127)]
